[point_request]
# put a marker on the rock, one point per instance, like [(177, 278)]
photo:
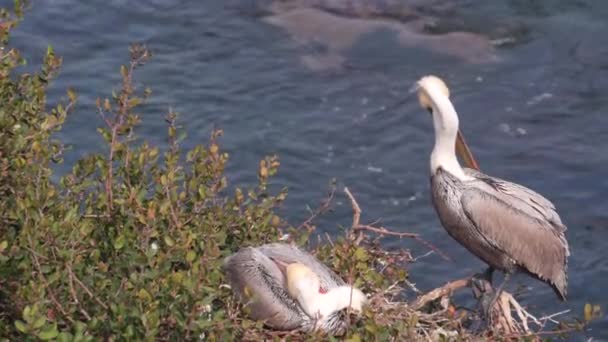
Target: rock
[(338, 34)]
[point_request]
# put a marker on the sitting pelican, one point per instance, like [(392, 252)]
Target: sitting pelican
[(508, 226), (289, 289)]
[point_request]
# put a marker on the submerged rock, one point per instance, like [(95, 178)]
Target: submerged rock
[(337, 34), (337, 25), (401, 10)]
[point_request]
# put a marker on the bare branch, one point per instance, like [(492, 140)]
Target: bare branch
[(358, 227), (442, 291), (323, 208), (356, 207), (85, 288), (75, 296), (45, 282)]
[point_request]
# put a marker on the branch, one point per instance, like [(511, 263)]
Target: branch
[(358, 227), (45, 282), (323, 207), (356, 208), (171, 208), (75, 296), (85, 288), (442, 291), (502, 319)]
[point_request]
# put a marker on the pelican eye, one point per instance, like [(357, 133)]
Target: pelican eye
[(429, 109)]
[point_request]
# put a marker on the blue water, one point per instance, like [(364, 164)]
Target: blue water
[(537, 117)]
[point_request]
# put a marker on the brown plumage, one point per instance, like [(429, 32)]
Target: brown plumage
[(507, 225)]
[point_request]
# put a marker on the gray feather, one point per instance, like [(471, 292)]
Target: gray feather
[(252, 268), (259, 285), (507, 225)]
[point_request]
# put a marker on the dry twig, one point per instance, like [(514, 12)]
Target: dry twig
[(45, 282), (503, 320), (360, 228), (323, 207), (442, 291)]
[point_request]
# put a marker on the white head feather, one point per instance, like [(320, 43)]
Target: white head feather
[(434, 95)]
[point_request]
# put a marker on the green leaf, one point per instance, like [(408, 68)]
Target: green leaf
[(28, 312), (71, 215), (591, 312), (169, 241), (21, 326), (119, 242), (361, 254), (65, 337), (190, 256), (141, 195), (354, 338), (134, 102), (303, 238), (588, 312), (39, 322), (144, 295), (3, 245), (49, 332), (80, 327), (49, 123), (72, 95)]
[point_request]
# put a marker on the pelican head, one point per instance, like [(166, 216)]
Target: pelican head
[(304, 285), (302, 281), (434, 96), (432, 84)]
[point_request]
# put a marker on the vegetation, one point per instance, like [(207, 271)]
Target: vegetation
[(129, 244)]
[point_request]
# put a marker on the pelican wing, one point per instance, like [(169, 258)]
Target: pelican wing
[(259, 284), (528, 200), (519, 222), (291, 254)]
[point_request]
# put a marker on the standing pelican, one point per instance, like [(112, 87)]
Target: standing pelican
[(290, 289), (507, 225)]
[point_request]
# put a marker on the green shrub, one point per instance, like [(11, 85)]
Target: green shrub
[(129, 244)]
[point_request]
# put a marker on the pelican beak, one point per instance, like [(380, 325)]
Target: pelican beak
[(462, 150), (281, 264)]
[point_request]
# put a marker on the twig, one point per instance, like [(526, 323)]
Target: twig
[(172, 209), (86, 289), (523, 314), (330, 240), (358, 227), (38, 255), (75, 296), (501, 315), (323, 207), (412, 286), (540, 333), (356, 208), (384, 231), (138, 56), (550, 317), (45, 282), (95, 216), (441, 292)]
